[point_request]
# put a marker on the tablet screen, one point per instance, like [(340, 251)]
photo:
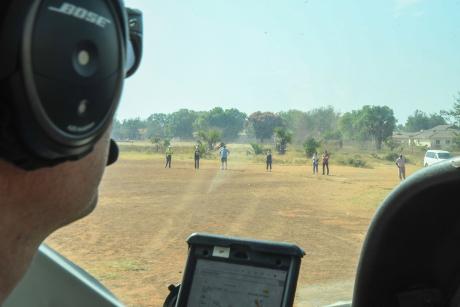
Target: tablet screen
[(228, 284)]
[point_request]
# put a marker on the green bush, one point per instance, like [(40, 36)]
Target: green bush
[(310, 146), (283, 137), (355, 161), (392, 156), (375, 156), (258, 149)]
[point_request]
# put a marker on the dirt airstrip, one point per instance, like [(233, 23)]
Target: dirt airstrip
[(134, 241)]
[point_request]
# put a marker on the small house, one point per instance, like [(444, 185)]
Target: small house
[(439, 137)]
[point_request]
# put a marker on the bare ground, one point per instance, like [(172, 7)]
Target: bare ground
[(134, 241)]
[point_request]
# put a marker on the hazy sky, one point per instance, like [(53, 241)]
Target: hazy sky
[(296, 54)]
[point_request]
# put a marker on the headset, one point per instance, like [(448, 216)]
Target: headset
[(62, 69)]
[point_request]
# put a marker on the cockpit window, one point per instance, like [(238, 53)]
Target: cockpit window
[(314, 101)]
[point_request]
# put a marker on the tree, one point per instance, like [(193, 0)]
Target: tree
[(310, 146), (421, 121), (322, 120), (378, 122), (316, 122), (454, 113), (181, 123), (346, 125), (234, 122), (156, 141), (335, 135), (297, 122), (230, 122), (210, 137), (257, 148), (349, 126), (128, 129), (283, 137), (117, 130), (157, 125), (391, 144), (436, 120), (264, 124), (400, 127), (418, 121)]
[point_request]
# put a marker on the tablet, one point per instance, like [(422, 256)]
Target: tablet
[(229, 271)]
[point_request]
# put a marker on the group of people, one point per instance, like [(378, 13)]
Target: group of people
[(223, 153), (325, 161)]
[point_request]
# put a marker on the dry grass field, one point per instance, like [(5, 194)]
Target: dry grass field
[(134, 241)]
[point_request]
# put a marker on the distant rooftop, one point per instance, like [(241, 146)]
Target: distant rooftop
[(442, 128), (440, 131)]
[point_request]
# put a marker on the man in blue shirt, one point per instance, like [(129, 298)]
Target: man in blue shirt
[(224, 152)]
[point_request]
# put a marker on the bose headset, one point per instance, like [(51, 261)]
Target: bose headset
[(62, 68)]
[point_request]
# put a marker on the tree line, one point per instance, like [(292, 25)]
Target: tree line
[(370, 123), (184, 124)]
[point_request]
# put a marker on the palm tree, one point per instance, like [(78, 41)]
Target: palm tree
[(210, 137), (283, 137)]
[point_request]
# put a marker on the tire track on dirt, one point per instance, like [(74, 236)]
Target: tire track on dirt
[(166, 250), (181, 211)]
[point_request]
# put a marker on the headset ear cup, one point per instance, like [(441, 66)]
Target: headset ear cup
[(52, 109)]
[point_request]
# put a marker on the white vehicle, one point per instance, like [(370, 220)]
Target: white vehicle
[(435, 156)]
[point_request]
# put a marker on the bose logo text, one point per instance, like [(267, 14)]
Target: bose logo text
[(81, 13)]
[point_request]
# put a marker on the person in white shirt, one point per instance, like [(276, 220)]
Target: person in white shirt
[(401, 164), (315, 161)]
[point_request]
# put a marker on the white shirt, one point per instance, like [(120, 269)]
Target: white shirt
[(401, 162)]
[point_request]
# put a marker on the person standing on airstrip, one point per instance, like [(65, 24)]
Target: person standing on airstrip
[(197, 157), (401, 164), (224, 152), (269, 160), (169, 153), (326, 161), (315, 161)]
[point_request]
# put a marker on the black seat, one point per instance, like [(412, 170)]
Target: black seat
[(411, 255)]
